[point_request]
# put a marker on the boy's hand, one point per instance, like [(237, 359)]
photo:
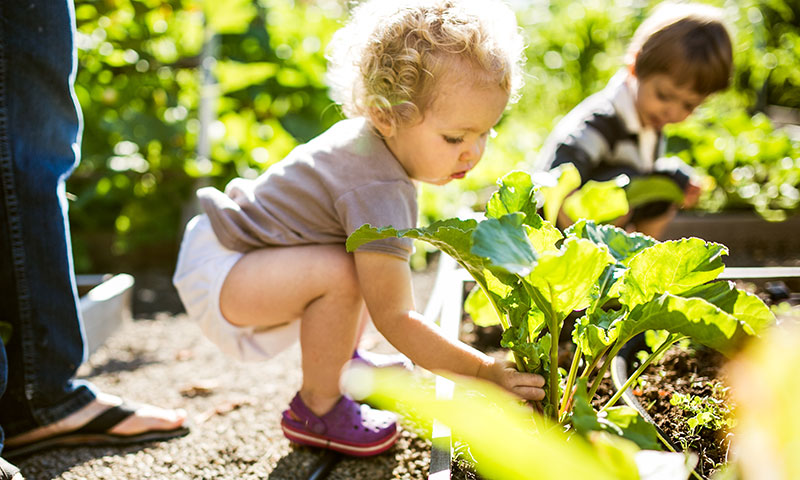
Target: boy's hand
[(525, 385), (691, 194)]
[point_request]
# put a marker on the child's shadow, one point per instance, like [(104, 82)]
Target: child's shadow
[(310, 463)]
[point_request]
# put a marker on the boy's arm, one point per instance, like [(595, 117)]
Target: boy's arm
[(385, 283)]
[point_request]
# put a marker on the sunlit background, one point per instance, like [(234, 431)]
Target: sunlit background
[(178, 94)]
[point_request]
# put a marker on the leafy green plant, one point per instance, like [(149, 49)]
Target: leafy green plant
[(748, 164), (531, 447), (624, 284)]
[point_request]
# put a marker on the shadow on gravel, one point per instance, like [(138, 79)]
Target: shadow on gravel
[(114, 365), (53, 463), (302, 463)]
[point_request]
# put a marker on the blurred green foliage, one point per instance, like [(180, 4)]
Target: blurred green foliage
[(141, 87)]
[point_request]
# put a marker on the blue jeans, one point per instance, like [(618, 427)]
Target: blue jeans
[(40, 130)]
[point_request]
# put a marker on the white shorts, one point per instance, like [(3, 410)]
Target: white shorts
[(203, 264)]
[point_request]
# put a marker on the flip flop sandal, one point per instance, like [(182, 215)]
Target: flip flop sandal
[(382, 360), (8, 471), (95, 433), (349, 428)]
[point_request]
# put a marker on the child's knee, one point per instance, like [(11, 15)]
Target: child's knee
[(343, 275)]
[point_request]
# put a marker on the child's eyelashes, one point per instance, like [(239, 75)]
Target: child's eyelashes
[(456, 140)]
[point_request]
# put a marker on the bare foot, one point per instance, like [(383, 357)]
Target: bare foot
[(147, 418)]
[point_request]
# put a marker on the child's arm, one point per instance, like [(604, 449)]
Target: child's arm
[(386, 287)]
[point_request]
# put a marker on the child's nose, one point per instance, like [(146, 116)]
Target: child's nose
[(473, 152)]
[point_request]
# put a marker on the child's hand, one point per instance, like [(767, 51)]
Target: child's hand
[(691, 194), (525, 385)]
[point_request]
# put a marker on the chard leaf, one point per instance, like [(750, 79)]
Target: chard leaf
[(594, 332), (634, 427), (670, 267), (653, 188), (754, 315), (480, 309), (565, 279), (544, 236), (621, 244), (516, 194), (536, 355), (452, 236), (621, 421), (504, 243), (584, 417), (477, 413), (598, 201), (567, 180), (694, 317)]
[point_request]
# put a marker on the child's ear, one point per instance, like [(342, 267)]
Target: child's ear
[(632, 68), (382, 121)]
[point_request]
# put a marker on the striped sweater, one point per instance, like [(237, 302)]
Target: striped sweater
[(603, 135)]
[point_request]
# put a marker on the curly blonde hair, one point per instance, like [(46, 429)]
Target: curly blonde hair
[(392, 55)]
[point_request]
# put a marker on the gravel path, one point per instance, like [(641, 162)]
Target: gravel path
[(235, 408)]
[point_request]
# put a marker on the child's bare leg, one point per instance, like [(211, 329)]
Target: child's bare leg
[(316, 284), (656, 226)]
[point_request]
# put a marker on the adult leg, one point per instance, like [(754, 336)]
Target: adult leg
[(315, 284), (40, 129)]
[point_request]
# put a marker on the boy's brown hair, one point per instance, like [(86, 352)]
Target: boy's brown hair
[(688, 42)]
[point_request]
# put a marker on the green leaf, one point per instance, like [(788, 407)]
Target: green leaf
[(565, 278), (477, 411), (536, 354), (598, 201), (584, 417), (594, 332), (746, 307), (544, 236), (621, 244), (634, 427), (568, 179), (671, 267), (516, 194), (694, 317), (480, 309), (653, 188), (504, 243), (452, 236)]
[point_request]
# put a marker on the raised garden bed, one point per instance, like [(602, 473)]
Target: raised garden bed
[(750, 239)]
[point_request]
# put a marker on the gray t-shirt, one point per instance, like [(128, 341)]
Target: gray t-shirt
[(319, 194)]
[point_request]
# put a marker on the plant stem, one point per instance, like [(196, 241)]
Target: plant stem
[(604, 368), (591, 366), (504, 322), (554, 367), (671, 340), (573, 372)]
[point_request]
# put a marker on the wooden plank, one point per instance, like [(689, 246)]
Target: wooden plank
[(447, 297)]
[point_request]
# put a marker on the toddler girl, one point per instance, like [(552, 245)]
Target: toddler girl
[(423, 82)]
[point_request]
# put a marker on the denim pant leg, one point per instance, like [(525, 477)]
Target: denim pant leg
[(40, 129)]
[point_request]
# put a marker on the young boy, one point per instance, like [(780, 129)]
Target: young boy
[(678, 57)]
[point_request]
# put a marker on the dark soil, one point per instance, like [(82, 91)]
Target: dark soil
[(692, 371), (689, 371)]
